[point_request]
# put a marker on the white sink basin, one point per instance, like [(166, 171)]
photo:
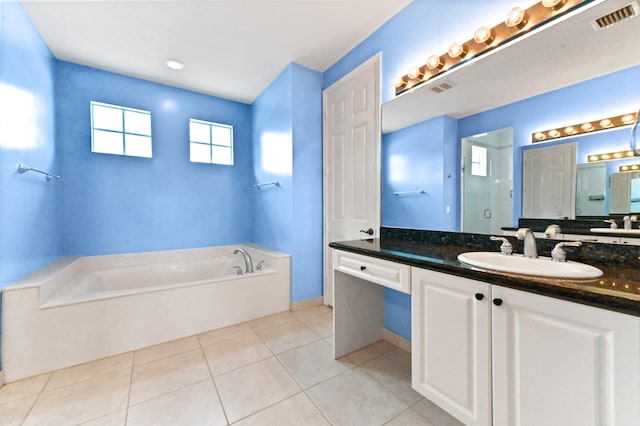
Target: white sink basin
[(520, 265), (616, 231)]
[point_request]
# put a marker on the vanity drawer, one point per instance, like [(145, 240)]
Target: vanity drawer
[(389, 274)]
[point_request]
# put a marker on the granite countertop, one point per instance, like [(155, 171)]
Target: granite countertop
[(617, 290)]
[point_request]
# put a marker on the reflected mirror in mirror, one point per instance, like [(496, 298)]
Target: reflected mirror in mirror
[(591, 185), (487, 182)]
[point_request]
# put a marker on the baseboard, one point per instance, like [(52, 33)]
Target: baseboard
[(397, 340), (305, 304)]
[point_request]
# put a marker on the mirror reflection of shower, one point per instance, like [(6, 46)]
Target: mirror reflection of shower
[(487, 182)]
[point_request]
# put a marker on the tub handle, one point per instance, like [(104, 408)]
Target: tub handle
[(259, 266), (238, 270)]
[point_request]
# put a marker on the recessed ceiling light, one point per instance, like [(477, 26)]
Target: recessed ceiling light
[(174, 64)]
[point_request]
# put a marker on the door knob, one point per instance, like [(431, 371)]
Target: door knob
[(497, 301), (479, 296), (368, 231)]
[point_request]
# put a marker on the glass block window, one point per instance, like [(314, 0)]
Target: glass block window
[(210, 142), (120, 130)]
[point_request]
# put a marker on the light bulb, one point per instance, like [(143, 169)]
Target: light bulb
[(414, 72), (605, 123), (484, 35), (457, 50), (516, 18), (434, 62), (398, 82), (554, 133), (570, 130), (628, 118), (587, 127), (539, 136), (553, 4)]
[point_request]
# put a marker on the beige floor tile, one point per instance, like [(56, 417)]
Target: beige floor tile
[(313, 363), (89, 370), (287, 336), (353, 398), (82, 401), (193, 405), (376, 350), (165, 350), (221, 334), (294, 411), (13, 412), (119, 418), (319, 320), (165, 375), (248, 390), (234, 353), (409, 417), (273, 320), (23, 388), (435, 414), (394, 372)]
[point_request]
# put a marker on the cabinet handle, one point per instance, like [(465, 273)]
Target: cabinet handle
[(479, 296), (497, 301), (362, 268)]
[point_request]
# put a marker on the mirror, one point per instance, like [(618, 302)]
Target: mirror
[(597, 88)]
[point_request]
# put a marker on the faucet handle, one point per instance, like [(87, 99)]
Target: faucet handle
[(613, 223), (558, 254), (552, 230), (505, 248)]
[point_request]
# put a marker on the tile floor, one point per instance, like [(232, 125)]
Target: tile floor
[(277, 370)]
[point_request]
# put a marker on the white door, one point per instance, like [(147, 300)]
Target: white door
[(549, 182), (562, 363), (351, 146), (451, 344)]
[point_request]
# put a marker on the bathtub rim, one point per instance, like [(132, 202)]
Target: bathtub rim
[(37, 278)]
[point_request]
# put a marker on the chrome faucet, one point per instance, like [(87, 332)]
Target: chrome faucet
[(552, 230), (248, 264), (530, 249), (558, 254), (627, 221)]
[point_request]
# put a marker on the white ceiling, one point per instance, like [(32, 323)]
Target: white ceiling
[(232, 49)]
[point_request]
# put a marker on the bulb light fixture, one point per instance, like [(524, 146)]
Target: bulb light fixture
[(586, 127), (414, 72), (618, 155), (518, 22), (629, 168)]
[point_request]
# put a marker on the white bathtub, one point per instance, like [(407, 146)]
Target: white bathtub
[(80, 309)]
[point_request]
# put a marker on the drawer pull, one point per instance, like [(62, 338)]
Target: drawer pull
[(497, 301), (362, 268), (479, 296)]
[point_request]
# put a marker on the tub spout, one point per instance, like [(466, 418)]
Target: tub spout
[(248, 264)]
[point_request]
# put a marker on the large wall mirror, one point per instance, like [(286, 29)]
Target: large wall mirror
[(583, 78)]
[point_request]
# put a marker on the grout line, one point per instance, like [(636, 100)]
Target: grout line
[(35, 401)]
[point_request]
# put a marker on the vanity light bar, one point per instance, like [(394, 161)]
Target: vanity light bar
[(620, 155), (582, 128), (629, 168), (517, 23)]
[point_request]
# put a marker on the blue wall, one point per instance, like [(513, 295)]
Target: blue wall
[(30, 211), (287, 146), (117, 204)]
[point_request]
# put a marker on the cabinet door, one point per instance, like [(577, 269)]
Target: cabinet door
[(562, 363), (450, 344)]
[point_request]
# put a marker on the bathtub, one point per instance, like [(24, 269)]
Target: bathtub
[(80, 309)]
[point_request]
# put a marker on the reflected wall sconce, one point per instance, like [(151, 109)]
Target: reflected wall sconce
[(619, 155), (629, 168), (518, 22), (582, 128)]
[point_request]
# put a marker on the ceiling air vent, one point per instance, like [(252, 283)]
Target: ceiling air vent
[(629, 11), (441, 88)]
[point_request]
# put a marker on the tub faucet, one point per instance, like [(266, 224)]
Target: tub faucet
[(627, 221), (530, 249), (248, 264)]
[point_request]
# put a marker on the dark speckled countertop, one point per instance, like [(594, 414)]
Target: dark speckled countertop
[(617, 290)]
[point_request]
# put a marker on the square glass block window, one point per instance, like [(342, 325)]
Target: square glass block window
[(120, 130), (210, 142)]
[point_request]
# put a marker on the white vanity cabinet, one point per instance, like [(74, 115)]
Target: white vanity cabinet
[(563, 363), (491, 355), (451, 344)]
